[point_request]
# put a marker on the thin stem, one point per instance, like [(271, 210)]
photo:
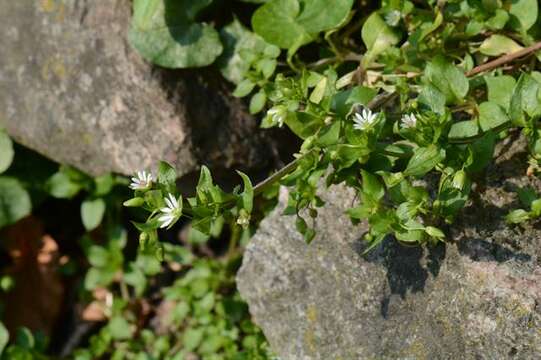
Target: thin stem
[(504, 59), (277, 176)]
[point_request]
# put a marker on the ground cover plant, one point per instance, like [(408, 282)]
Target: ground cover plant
[(66, 243), (384, 97), (403, 101)]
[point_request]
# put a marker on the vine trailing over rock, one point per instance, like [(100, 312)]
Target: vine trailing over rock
[(389, 101)]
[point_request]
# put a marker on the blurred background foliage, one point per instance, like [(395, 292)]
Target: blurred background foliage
[(74, 285)]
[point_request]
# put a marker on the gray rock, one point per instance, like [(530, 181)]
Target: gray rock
[(477, 297), (73, 89)]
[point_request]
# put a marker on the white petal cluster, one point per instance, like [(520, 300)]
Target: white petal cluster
[(278, 115), (364, 119), (393, 17), (142, 181), (409, 121), (171, 213)]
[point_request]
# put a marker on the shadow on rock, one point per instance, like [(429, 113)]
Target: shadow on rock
[(408, 268)]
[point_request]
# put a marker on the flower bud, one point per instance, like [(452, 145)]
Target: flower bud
[(244, 218), (135, 202), (143, 238), (459, 179)]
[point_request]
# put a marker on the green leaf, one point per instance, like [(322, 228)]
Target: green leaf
[(523, 13), (525, 98), (266, 67), (167, 177), (463, 130), (15, 202), (25, 338), (4, 337), (498, 21), (377, 37), (61, 186), (120, 328), (536, 207), (372, 186), (92, 213), (319, 91), (165, 33), (500, 89), (423, 160), (482, 151), (290, 24), (426, 29), (527, 195), (303, 124), (447, 78), (498, 45), (103, 185), (192, 338), (236, 39), (517, 216), (257, 102), (433, 98), (491, 116), (247, 195), (244, 88), (344, 100), (329, 135), (450, 200), (276, 22), (435, 232), (321, 15), (6, 151)]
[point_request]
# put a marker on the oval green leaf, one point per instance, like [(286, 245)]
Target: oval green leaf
[(165, 33)]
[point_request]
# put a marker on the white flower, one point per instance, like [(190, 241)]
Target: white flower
[(278, 115), (393, 17), (409, 121), (364, 119), (171, 213), (142, 181)]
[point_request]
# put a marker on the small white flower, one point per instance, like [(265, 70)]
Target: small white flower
[(171, 213), (364, 119), (142, 181), (409, 121), (277, 115), (393, 17)]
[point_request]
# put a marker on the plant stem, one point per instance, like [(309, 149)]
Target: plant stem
[(277, 176), (504, 59)]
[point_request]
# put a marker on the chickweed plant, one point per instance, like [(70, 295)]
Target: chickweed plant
[(383, 94)]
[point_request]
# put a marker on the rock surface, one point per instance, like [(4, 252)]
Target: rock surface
[(478, 297), (73, 89)]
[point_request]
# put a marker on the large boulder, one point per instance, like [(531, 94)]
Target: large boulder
[(73, 89), (476, 297)]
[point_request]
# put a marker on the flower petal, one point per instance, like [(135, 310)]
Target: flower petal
[(174, 201), (168, 203)]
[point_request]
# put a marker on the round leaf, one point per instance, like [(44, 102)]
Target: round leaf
[(92, 213), (14, 201), (498, 45), (164, 32), (6, 151), (293, 23)]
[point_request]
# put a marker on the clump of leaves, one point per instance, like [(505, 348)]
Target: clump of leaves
[(399, 94), (143, 314)]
